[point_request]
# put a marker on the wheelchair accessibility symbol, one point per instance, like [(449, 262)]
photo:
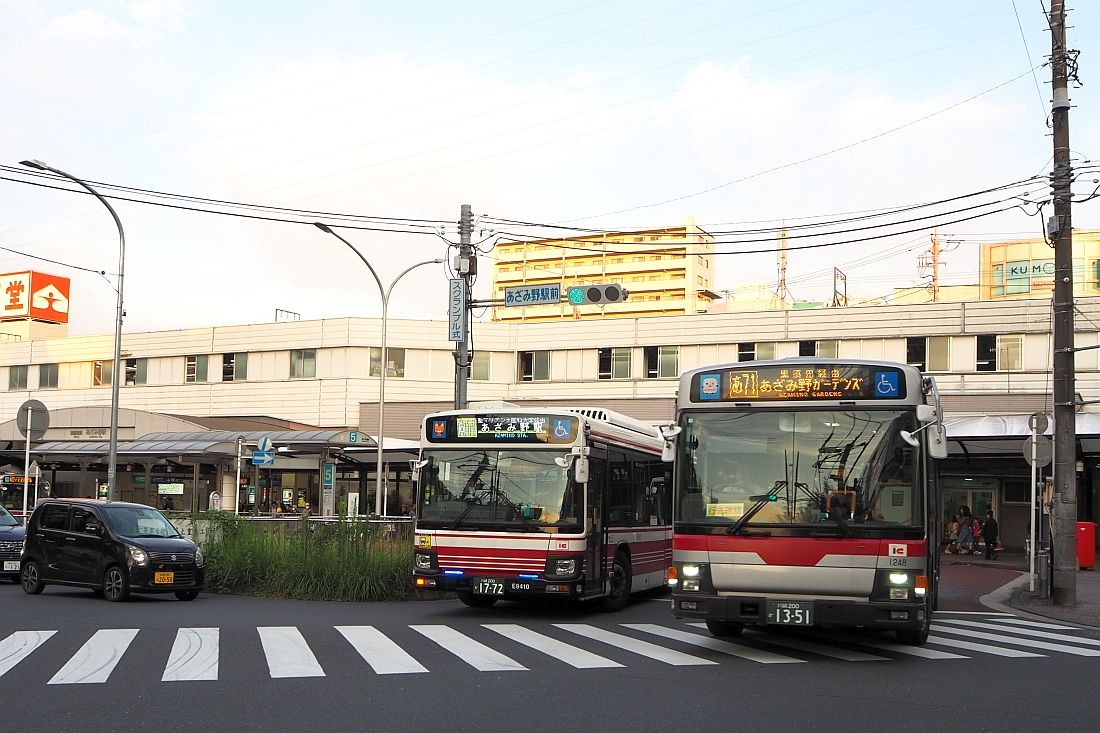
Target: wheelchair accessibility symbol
[(561, 428), (886, 384)]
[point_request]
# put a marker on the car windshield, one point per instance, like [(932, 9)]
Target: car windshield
[(136, 521), (838, 468), (515, 489), (6, 519)]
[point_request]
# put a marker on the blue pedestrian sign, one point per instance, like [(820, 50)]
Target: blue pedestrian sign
[(532, 294), (263, 458)]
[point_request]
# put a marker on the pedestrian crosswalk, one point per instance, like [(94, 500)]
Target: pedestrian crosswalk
[(515, 648)]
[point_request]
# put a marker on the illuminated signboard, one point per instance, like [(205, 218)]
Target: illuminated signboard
[(807, 381), (36, 295), (517, 428)]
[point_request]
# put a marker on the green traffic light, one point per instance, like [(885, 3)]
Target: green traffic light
[(576, 296)]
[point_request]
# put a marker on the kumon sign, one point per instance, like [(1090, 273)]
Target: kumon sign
[(36, 295)]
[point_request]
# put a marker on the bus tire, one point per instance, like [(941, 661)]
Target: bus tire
[(619, 594), (724, 628), (475, 600), (916, 637)]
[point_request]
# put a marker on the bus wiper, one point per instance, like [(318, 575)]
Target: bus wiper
[(762, 500), (845, 526), (471, 502)]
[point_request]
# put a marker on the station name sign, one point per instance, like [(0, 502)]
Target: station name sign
[(805, 382), (518, 428)]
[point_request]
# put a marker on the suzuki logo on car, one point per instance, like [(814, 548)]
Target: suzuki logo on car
[(173, 558)]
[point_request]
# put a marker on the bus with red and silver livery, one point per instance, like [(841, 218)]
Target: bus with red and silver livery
[(518, 503), (805, 494)]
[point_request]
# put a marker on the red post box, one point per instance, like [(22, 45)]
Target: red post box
[(1086, 545)]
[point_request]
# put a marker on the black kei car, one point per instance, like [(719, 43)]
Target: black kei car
[(115, 548), (11, 545)]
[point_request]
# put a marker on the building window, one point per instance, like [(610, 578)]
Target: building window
[(101, 373), (47, 376), (615, 363), (395, 361), (196, 369), (235, 367), (534, 366), (824, 349), (17, 376), (986, 357), (1010, 353), (756, 351), (303, 363), (929, 354), (479, 366), (136, 371), (662, 361)]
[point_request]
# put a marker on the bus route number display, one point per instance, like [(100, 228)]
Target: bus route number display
[(805, 382), (502, 429)]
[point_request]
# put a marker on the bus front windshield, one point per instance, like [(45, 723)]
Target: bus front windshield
[(517, 490), (847, 469)]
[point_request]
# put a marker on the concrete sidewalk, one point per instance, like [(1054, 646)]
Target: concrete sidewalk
[(1086, 612)]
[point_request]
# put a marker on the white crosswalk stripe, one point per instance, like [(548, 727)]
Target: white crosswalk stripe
[(195, 652), (94, 662), (718, 645), (194, 656), (288, 654), (630, 644), (471, 651), (574, 656), (19, 646), (379, 651), (969, 632)]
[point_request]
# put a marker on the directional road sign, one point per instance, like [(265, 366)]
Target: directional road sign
[(532, 294), (263, 458), (264, 444)]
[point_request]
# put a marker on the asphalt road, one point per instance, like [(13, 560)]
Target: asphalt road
[(226, 662)]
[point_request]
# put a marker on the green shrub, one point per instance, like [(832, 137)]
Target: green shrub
[(352, 560)]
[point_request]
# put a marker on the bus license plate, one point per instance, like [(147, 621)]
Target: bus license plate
[(790, 613), (168, 578), (489, 586)]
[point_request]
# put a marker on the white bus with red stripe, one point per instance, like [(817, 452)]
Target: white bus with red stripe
[(805, 494), (517, 503)]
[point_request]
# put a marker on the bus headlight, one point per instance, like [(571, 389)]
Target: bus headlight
[(424, 561), (690, 570), (565, 566), (899, 578)]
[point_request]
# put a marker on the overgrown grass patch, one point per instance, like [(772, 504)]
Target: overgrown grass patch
[(353, 560)]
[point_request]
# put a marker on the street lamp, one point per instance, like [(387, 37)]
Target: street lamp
[(112, 456), (380, 500)]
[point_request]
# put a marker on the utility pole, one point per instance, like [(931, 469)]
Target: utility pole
[(930, 260), (1060, 228), (466, 267)]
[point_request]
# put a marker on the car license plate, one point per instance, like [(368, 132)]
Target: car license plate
[(790, 613), (11, 565), (489, 586), (164, 578)]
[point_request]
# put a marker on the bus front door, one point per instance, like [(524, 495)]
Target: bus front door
[(595, 565)]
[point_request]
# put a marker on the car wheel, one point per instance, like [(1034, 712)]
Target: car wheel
[(116, 587), (619, 595), (475, 600), (31, 578), (187, 595)]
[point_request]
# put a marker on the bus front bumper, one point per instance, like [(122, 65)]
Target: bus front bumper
[(856, 613), (502, 586)]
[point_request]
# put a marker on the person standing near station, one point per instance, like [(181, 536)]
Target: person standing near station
[(990, 532)]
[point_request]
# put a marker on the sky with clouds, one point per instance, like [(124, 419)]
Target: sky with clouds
[(608, 114)]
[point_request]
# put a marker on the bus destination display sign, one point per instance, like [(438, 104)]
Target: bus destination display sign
[(502, 429), (805, 382)]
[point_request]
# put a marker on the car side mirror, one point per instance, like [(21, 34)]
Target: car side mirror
[(93, 527)]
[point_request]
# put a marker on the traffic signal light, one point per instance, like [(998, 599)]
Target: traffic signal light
[(597, 294)]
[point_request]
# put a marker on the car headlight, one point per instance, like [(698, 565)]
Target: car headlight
[(138, 557), (899, 578), (423, 561), (199, 559), (565, 566)]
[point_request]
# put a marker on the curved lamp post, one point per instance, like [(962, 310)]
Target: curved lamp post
[(112, 458), (380, 499)]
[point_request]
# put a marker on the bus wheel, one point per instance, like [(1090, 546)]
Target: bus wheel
[(475, 600), (724, 628), (617, 598)]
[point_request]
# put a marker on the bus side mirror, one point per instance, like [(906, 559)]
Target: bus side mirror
[(415, 467), (669, 433), (937, 441), (580, 469)]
